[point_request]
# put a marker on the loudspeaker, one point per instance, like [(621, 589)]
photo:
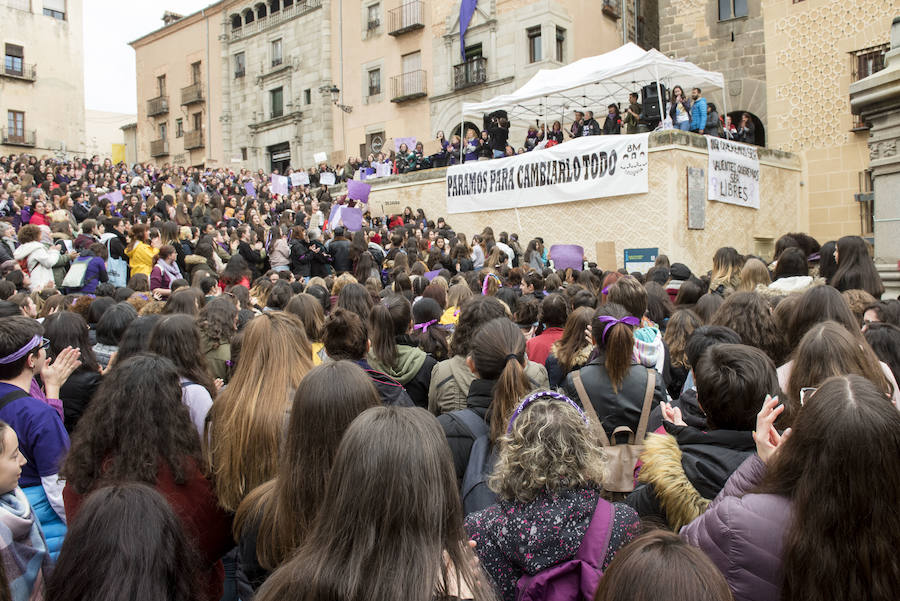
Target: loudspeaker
[(651, 103)]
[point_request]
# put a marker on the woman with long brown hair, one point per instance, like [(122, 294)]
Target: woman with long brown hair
[(748, 314), (828, 350), (247, 418), (276, 517), (800, 520), (615, 384), (497, 358), (389, 525), (726, 272), (395, 352), (571, 351), (142, 250)]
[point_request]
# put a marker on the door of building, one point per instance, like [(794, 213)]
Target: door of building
[(280, 157)]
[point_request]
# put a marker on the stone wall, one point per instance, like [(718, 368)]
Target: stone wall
[(656, 219)]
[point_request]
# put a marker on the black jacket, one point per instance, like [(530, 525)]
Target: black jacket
[(253, 257), (117, 246), (300, 258), (390, 390), (460, 439), (705, 459), (624, 407), (318, 261), (340, 253), (611, 125), (499, 137), (76, 394), (590, 128)]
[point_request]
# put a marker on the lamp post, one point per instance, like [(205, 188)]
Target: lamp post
[(336, 97)]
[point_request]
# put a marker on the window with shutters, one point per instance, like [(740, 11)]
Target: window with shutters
[(55, 9), (12, 60)]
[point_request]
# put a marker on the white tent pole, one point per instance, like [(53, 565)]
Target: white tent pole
[(659, 95), (462, 134)]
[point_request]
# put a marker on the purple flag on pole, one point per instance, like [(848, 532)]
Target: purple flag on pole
[(250, 188), (358, 190), (466, 10)]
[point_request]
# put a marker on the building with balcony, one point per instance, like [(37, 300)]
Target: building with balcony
[(178, 119), (275, 57), (788, 64), (42, 77), (506, 43)]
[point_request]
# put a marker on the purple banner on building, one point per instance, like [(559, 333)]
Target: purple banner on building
[(466, 10)]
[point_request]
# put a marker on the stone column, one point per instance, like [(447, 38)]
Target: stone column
[(877, 99)]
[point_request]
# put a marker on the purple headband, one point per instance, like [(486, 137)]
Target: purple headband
[(29, 346), (611, 321), (544, 394), (424, 326)]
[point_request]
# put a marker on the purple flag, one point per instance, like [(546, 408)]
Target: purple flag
[(251, 189), (466, 10), (430, 275), (410, 143), (565, 256), (114, 197), (358, 190)]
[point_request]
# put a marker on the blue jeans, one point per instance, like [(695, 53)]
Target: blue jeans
[(684, 125), (499, 154)]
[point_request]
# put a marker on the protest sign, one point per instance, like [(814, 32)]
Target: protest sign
[(114, 197), (326, 178), (584, 168), (358, 190), (320, 157), (279, 184), (733, 172), (410, 143), (567, 256), (250, 188), (299, 178)]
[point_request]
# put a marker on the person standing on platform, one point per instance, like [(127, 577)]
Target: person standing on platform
[(632, 114), (590, 127), (698, 112), (613, 123), (575, 131)]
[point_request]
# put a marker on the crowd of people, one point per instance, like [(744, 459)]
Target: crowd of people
[(688, 113), (208, 391)]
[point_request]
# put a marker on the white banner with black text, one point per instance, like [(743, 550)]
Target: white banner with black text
[(733, 172), (580, 169)]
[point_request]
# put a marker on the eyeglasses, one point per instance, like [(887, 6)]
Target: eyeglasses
[(805, 393)]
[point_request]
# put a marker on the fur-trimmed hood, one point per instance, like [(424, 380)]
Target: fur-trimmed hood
[(797, 284), (687, 468)]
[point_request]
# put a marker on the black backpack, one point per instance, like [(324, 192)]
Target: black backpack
[(474, 491)]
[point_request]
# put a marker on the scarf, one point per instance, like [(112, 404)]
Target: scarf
[(22, 546), (171, 271)]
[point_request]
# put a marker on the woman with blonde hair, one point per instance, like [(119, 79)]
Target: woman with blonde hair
[(753, 273), (247, 419), (726, 272), (548, 481), (457, 295)]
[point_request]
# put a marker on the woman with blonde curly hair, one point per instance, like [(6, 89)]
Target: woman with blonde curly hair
[(547, 478)]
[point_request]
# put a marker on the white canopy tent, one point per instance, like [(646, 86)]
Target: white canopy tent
[(595, 82)]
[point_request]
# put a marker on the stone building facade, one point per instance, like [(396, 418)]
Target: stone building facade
[(790, 65), (42, 77), (178, 104), (506, 43), (275, 57)]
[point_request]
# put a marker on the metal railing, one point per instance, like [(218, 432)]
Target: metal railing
[(470, 73), (27, 137), (193, 139), (408, 86), (192, 93), (24, 71), (409, 16), (285, 14), (158, 106), (159, 148)]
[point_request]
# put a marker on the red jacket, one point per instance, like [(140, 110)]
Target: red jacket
[(206, 524), (538, 348)]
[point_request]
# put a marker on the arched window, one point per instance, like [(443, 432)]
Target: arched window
[(261, 11), (249, 16), (274, 6), (236, 21), (759, 131)]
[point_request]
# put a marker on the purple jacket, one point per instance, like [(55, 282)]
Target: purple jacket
[(743, 534)]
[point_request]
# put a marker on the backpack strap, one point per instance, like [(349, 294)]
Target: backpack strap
[(589, 407), (645, 410), (596, 538), (11, 396), (471, 421)]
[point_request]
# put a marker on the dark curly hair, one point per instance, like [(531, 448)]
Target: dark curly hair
[(135, 421), (218, 320), (748, 314)]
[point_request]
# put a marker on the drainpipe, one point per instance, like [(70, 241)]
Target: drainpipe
[(208, 140)]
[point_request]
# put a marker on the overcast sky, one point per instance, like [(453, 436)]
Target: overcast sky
[(109, 78)]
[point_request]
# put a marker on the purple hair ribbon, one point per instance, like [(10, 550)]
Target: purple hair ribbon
[(611, 321), (424, 326), (544, 394), (29, 346)]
